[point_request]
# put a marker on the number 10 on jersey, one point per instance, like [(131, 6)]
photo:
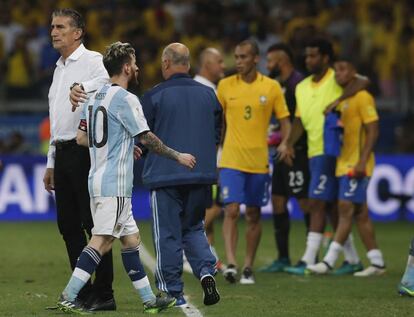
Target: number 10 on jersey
[(93, 124)]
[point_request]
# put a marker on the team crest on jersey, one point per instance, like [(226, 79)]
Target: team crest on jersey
[(262, 100), (345, 106)]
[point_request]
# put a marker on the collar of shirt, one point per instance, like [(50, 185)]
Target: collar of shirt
[(74, 56), (179, 75), (204, 81), (259, 77), (294, 78)]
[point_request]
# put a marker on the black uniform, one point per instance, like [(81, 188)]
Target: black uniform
[(292, 181)]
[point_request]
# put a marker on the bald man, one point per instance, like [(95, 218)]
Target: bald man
[(186, 114), (210, 72), (211, 67)]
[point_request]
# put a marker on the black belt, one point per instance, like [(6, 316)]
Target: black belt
[(61, 145)]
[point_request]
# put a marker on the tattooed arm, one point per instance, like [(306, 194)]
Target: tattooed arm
[(154, 144)]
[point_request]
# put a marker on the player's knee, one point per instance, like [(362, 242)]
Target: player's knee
[(361, 215), (214, 211), (317, 213), (252, 215), (279, 205), (304, 205), (232, 211), (317, 207), (101, 243), (345, 209), (131, 241), (253, 219), (138, 238)]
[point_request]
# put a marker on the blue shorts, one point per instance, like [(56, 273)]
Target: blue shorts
[(323, 183), (244, 188), (353, 189)]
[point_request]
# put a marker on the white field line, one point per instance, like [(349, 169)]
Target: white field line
[(189, 310)]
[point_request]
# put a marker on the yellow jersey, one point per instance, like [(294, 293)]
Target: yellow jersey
[(355, 112), (248, 108), (311, 100)]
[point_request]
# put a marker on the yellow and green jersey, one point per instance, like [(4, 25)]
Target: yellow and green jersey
[(355, 112), (248, 108), (311, 100)]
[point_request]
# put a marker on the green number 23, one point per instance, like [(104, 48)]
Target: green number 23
[(247, 112)]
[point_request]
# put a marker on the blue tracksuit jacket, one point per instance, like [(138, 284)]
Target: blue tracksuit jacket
[(186, 116)]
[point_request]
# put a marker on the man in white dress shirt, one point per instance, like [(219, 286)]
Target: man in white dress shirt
[(67, 163), (211, 66), (211, 70)]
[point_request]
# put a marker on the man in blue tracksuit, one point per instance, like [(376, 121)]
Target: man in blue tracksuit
[(185, 115)]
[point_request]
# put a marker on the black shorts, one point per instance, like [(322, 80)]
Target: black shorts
[(292, 181)]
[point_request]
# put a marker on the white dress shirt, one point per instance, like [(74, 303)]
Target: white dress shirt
[(205, 81), (82, 66)]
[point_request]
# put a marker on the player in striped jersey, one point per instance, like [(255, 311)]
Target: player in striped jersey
[(109, 122)]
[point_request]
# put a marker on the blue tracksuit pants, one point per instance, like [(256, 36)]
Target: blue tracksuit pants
[(178, 215)]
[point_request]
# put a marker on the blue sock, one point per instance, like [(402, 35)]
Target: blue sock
[(86, 265), (136, 272)]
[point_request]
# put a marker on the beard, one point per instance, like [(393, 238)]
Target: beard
[(275, 72), (316, 69), (133, 81)]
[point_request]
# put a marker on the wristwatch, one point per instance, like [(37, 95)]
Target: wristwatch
[(76, 84)]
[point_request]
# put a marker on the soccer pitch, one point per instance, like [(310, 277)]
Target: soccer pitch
[(34, 270)]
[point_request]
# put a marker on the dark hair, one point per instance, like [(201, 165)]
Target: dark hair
[(76, 17), (351, 61), (116, 56), (253, 45), (282, 47), (324, 46)]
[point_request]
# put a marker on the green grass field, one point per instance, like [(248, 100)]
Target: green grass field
[(34, 270)]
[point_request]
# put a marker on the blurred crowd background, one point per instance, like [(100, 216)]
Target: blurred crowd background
[(378, 35)]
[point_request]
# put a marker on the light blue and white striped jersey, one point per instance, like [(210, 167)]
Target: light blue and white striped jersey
[(113, 117)]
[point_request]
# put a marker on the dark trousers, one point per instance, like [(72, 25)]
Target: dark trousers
[(74, 218), (178, 213)]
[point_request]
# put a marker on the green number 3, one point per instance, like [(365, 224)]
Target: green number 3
[(247, 112)]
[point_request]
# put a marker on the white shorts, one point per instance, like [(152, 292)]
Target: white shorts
[(112, 216)]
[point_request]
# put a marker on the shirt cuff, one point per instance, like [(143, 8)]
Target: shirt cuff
[(94, 84), (51, 157), (87, 88)]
